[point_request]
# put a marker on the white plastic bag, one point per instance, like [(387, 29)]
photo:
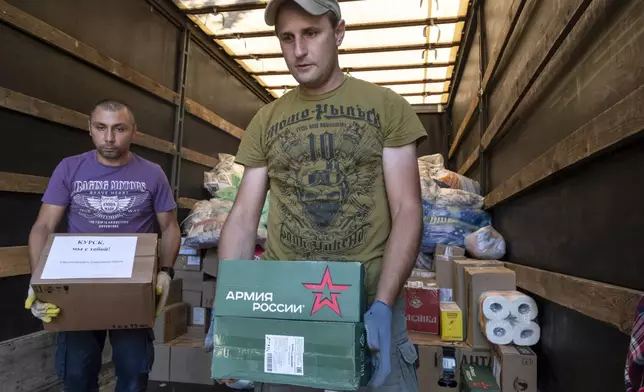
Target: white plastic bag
[(223, 175), (447, 197), (485, 243)]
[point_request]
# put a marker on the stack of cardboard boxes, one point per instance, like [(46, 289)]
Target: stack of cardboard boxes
[(181, 329), (460, 356)]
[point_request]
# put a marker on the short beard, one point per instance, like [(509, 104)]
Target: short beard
[(111, 155)]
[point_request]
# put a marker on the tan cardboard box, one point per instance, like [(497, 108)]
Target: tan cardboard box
[(90, 276), (189, 362), (208, 293), (174, 294), (171, 323), (445, 277), (449, 251), (515, 368), (188, 263), (192, 280), (192, 298), (478, 280), (210, 262), (458, 267)]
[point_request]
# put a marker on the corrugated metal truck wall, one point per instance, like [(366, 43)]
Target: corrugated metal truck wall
[(58, 58), (555, 136)]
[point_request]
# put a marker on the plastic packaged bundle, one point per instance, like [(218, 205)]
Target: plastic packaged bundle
[(485, 243), (428, 188), (455, 181), (206, 221), (223, 174), (449, 225), (509, 316), (446, 197)]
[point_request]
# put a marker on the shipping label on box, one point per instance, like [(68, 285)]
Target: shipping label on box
[(451, 322), (422, 306), (198, 316), (479, 280), (89, 275), (294, 290), (326, 355), (475, 378), (515, 368)]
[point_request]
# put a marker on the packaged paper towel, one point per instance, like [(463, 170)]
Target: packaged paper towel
[(507, 316), (501, 304)]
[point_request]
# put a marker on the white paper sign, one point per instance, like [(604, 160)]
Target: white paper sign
[(73, 257)]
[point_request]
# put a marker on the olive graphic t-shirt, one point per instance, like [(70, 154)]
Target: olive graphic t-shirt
[(324, 158)]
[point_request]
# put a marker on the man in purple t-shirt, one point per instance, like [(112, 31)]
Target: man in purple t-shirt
[(107, 190)]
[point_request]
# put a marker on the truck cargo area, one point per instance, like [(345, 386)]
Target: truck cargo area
[(539, 103)]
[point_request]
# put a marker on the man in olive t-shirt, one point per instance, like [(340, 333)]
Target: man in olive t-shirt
[(339, 157)]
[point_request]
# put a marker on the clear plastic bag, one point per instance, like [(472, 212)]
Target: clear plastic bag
[(455, 181), (486, 244), (447, 197), (223, 175), (428, 188), (206, 221), (425, 262)]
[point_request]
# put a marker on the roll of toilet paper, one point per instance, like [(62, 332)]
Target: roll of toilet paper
[(499, 331), (496, 305), (526, 333), (524, 308)]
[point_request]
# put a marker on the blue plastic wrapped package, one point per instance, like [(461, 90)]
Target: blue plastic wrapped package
[(449, 225)]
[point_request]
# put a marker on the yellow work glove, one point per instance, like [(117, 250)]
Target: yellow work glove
[(42, 310), (163, 287)]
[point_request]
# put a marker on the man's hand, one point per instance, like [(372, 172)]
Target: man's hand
[(42, 310), (163, 287), (377, 323)]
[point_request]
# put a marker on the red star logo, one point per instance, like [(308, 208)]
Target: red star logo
[(327, 283)]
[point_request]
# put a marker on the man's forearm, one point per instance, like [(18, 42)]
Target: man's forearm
[(238, 237), (37, 239), (170, 244), (401, 253)]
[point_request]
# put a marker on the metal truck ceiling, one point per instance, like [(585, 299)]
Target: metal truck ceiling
[(409, 46)]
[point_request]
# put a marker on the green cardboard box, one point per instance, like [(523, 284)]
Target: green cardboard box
[(293, 290), (476, 378), (326, 355)]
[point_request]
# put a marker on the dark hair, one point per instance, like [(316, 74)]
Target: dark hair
[(112, 105)]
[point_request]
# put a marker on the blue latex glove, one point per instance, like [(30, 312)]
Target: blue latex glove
[(377, 323)]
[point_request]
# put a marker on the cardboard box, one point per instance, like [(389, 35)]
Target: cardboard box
[(451, 322), (192, 280), (197, 331), (210, 263), (174, 294), (326, 355), (515, 368), (459, 280), (439, 367), (445, 277), (192, 298), (475, 378), (422, 306), (477, 281), (161, 366), (90, 276), (208, 294), (188, 263), (171, 323), (292, 290), (189, 362)]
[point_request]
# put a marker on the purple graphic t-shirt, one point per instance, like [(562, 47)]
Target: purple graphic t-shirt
[(106, 199)]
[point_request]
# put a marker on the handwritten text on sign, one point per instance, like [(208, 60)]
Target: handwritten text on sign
[(73, 257)]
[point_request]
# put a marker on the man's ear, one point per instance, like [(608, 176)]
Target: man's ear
[(339, 32)]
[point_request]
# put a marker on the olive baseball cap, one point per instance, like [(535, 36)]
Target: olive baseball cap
[(313, 7)]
